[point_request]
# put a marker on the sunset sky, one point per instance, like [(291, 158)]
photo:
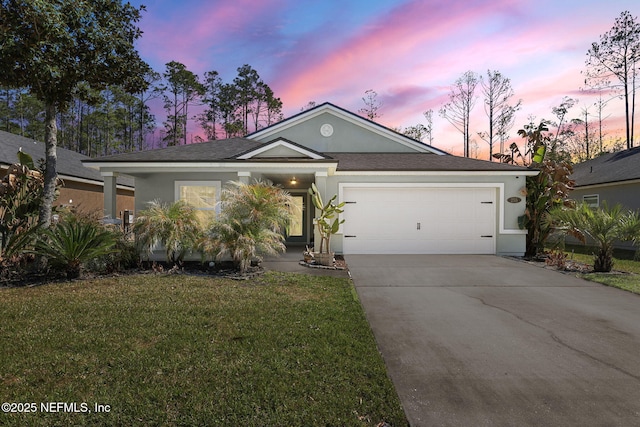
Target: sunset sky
[(410, 52)]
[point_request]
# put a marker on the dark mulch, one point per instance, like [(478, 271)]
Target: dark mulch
[(23, 276)]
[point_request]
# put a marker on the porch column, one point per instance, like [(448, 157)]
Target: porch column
[(244, 177), (110, 194), (321, 183)]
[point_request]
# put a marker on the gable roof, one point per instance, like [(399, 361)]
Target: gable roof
[(69, 165), (330, 108), (608, 168), (280, 147)]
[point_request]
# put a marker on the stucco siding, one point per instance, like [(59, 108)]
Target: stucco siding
[(161, 186), (346, 137), (627, 195)]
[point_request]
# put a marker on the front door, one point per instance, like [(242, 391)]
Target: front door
[(297, 232)]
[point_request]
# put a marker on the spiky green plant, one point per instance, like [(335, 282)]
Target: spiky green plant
[(603, 225), (252, 221), (327, 219), (174, 226), (72, 243)]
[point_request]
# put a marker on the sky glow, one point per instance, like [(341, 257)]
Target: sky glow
[(410, 52)]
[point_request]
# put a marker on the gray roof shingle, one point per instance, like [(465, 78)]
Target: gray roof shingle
[(608, 168), (221, 149), (229, 149), (69, 162), (415, 162)]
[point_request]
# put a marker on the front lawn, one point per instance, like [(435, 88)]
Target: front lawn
[(277, 350)]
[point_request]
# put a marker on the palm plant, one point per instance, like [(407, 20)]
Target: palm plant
[(251, 224), (73, 242), (603, 225), (174, 226), (328, 221)]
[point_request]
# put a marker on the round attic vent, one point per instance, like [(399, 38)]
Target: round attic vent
[(326, 130)]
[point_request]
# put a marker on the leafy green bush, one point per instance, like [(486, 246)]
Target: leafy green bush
[(174, 226), (124, 256), (604, 225), (20, 197), (72, 243), (252, 221)]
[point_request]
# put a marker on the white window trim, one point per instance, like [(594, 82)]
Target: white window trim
[(591, 205), (216, 184)]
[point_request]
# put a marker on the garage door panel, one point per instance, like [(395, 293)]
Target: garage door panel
[(419, 220)]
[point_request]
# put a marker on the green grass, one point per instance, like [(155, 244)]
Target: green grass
[(277, 350), (628, 282), (623, 261)]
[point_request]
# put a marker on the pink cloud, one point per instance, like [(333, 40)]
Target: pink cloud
[(189, 35), (407, 45)]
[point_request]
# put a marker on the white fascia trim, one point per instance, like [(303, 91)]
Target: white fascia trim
[(281, 143), (607, 184), (436, 173), (134, 167), (92, 182), (349, 118), (498, 185)]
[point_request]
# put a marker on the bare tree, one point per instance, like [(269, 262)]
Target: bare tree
[(417, 132), (308, 106), (462, 99), (372, 105), (497, 91), (564, 128), (428, 115), (616, 58)]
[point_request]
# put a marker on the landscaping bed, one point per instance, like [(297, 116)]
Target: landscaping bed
[(579, 262)]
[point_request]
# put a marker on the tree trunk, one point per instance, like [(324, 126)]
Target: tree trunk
[(633, 105), (626, 112), (50, 173)]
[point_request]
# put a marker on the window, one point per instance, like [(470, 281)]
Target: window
[(202, 195), (593, 200)]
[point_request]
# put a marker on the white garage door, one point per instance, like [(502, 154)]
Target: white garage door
[(419, 220)]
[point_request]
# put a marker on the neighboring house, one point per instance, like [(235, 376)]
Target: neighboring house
[(401, 195), (613, 178), (82, 188)]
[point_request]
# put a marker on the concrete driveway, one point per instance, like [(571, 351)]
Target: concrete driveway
[(489, 341)]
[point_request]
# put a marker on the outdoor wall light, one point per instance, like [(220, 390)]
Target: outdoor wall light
[(293, 181)]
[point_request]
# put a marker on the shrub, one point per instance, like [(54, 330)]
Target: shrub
[(174, 226), (604, 225), (20, 197), (252, 221), (124, 256), (73, 242)]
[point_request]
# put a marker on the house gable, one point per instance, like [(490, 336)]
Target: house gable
[(328, 128), (281, 148)]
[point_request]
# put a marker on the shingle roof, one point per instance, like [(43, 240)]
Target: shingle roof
[(227, 150), (221, 149), (69, 162), (415, 162), (608, 168)]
